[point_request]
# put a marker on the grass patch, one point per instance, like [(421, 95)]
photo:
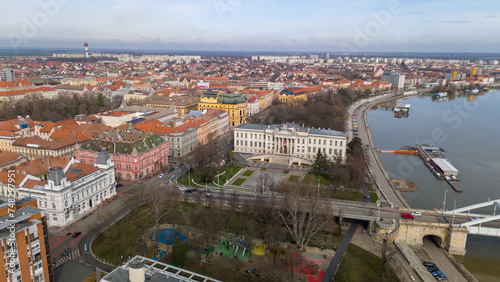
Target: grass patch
[(373, 197), (263, 169), (239, 181), (311, 178), (185, 179), (293, 178), (248, 172), (362, 266), (286, 171)]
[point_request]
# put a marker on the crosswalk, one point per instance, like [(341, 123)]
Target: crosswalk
[(71, 256)]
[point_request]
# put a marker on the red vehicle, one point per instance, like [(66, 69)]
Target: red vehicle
[(407, 215)]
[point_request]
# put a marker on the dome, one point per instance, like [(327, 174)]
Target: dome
[(85, 44), (286, 92), (231, 98)]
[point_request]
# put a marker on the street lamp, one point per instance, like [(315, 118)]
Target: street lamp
[(444, 200), (453, 218)]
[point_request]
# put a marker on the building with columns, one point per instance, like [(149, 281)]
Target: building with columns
[(288, 143)]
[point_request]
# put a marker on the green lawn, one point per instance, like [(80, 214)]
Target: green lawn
[(286, 171), (311, 178), (293, 178), (248, 172), (263, 169), (361, 265), (230, 172), (239, 181)]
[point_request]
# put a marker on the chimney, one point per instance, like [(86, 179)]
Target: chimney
[(136, 271)]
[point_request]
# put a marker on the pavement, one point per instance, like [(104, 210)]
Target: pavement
[(335, 263)]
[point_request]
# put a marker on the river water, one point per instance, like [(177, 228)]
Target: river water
[(467, 127)]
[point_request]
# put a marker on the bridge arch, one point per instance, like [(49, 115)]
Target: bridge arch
[(435, 239)]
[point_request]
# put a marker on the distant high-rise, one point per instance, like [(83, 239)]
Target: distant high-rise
[(396, 79), (86, 45), (7, 75)]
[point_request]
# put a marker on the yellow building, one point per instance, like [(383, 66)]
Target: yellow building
[(234, 104), (288, 96)]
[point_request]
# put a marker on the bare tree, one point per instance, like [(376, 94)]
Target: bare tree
[(302, 212), (265, 182), (164, 199), (388, 254)]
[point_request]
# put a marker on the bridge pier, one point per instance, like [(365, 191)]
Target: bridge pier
[(453, 238)]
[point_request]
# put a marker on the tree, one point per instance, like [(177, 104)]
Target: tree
[(164, 199), (388, 254), (100, 100), (265, 182), (179, 253), (302, 212), (320, 164)]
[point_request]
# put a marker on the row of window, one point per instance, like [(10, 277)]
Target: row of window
[(313, 141)]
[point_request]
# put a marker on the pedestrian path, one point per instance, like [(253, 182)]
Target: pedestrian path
[(71, 256)]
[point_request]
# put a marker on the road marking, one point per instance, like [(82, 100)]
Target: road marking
[(72, 256)]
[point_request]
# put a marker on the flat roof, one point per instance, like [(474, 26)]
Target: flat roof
[(313, 131), (444, 164)]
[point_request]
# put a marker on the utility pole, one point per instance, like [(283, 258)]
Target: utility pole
[(444, 200)]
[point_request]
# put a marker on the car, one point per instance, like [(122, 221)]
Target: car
[(428, 264), (76, 234), (354, 114), (416, 213), (407, 215), (69, 234), (474, 218), (432, 269), (371, 163), (441, 277), (436, 273), (355, 134), (191, 190), (367, 145), (161, 175), (183, 188), (118, 185), (171, 169)]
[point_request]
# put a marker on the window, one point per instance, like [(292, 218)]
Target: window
[(335, 143), (303, 141), (331, 142), (330, 151), (237, 142), (309, 149), (251, 143), (340, 143), (324, 142), (314, 141), (53, 206), (335, 152), (324, 151), (237, 134)]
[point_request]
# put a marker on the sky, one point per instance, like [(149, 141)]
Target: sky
[(254, 25)]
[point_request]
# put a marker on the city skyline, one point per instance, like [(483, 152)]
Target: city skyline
[(237, 25)]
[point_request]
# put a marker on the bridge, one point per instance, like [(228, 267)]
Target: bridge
[(475, 224)]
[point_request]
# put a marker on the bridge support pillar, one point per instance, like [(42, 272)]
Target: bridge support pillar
[(457, 240)]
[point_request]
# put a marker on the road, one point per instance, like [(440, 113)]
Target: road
[(339, 254), (432, 253), (357, 113)]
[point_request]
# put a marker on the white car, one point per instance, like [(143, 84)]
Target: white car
[(183, 188), (161, 175), (474, 218), (416, 213)]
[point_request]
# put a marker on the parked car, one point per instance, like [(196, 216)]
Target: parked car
[(432, 269), (182, 188), (428, 264), (436, 273), (161, 175), (118, 185), (76, 234), (441, 277), (416, 213), (69, 234), (474, 218), (407, 215)]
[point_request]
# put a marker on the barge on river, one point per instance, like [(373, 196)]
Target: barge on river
[(439, 165)]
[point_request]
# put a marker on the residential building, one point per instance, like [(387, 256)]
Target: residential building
[(65, 188), (36, 147), (7, 75), (299, 144), (182, 139), (115, 118), (10, 159), (15, 95), (182, 104), (234, 104), (288, 96), (25, 251), (397, 80), (136, 154)]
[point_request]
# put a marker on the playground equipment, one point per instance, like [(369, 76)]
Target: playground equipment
[(239, 242)]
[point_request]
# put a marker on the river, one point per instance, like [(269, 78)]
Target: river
[(467, 128)]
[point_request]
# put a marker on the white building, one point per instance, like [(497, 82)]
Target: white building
[(72, 191), (397, 80), (298, 144)]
